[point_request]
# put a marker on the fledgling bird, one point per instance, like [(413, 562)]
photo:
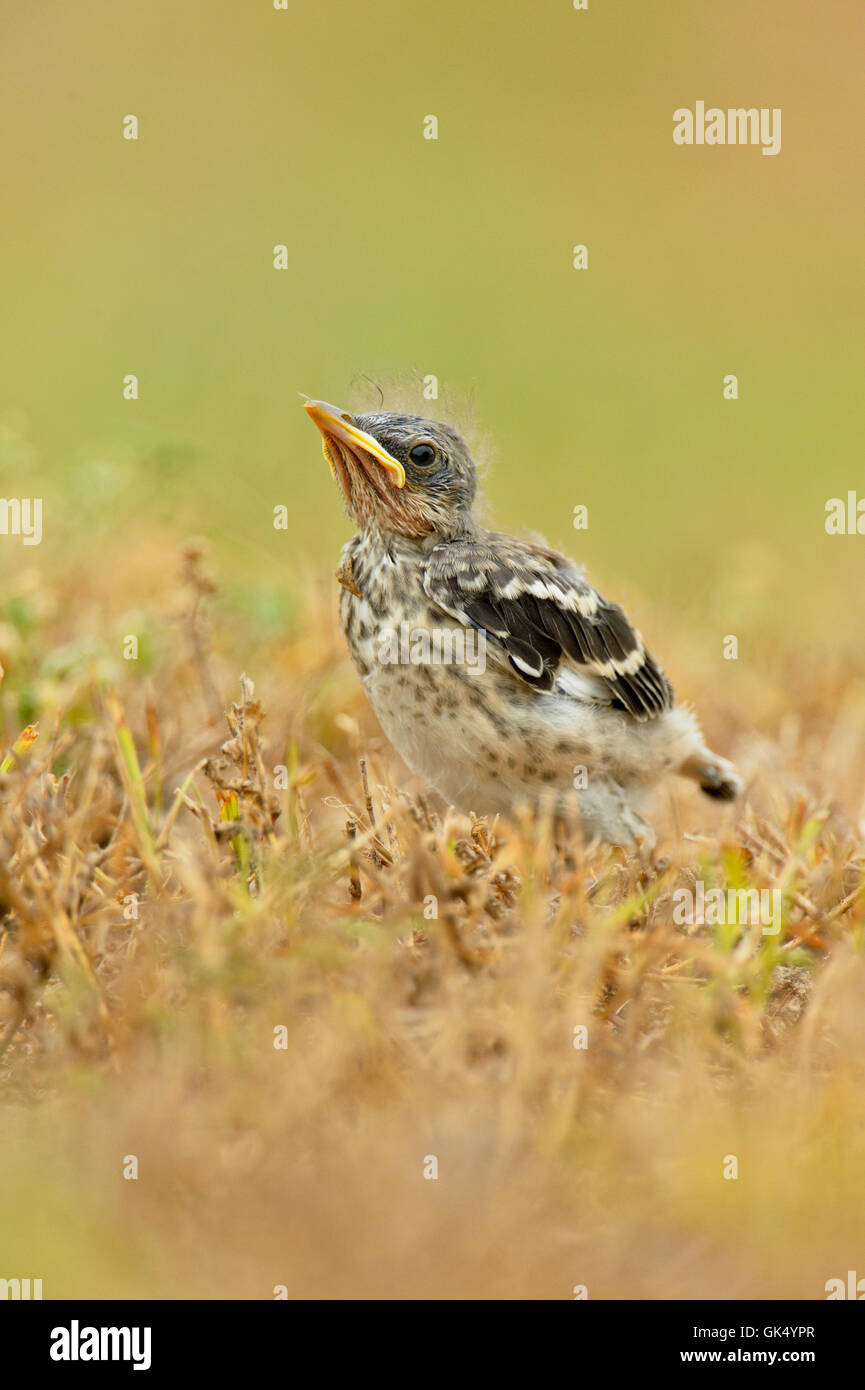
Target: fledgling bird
[(567, 706)]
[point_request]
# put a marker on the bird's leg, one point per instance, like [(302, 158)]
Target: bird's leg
[(609, 814), (641, 835), (716, 776)]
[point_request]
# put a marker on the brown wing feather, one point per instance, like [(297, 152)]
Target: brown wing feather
[(536, 607)]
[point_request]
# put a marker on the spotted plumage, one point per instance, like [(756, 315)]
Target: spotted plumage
[(543, 690)]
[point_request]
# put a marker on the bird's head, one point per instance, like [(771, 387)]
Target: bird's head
[(398, 472)]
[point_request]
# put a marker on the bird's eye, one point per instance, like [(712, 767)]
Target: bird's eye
[(422, 454)]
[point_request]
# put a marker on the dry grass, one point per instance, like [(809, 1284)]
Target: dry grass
[(169, 911)]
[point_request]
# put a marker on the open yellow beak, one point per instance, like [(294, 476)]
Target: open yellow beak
[(337, 424)]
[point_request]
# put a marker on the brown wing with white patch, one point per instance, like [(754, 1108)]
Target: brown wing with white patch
[(553, 628)]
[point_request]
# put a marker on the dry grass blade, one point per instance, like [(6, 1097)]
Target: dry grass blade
[(300, 976)]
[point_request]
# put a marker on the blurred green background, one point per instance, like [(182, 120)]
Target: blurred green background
[(453, 257)]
